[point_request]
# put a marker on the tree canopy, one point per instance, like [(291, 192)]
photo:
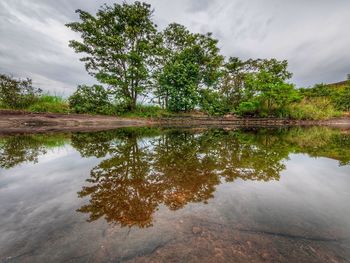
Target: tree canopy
[(177, 69)]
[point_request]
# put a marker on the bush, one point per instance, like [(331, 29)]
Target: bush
[(312, 109), (48, 103), (17, 93), (94, 99), (213, 103), (248, 108)]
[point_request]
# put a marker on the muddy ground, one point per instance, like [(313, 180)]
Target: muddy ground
[(25, 122)]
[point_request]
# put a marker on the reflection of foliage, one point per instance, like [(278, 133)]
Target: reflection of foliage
[(15, 150), (99, 144), (144, 168), (321, 142), (173, 168)]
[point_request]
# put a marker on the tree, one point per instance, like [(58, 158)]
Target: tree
[(190, 62), (119, 44), (17, 93), (268, 85), (233, 80)]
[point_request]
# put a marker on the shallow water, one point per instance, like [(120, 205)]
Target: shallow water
[(169, 195)]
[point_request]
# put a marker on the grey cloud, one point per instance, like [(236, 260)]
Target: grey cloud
[(200, 5), (313, 35)]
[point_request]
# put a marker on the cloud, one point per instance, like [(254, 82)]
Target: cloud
[(313, 35)]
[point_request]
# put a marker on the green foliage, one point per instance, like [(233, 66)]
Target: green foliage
[(248, 108), (49, 103), (94, 99), (15, 150), (17, 93), (269, 87), (189, 61), (318, 90), (119, 44), (312, 109), (341, 99), (257, 87), (213, 103)]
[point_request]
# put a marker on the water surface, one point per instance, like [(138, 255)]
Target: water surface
[(175, 195)]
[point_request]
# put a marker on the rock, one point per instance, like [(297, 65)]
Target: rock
[(265, 256), (196, 230)]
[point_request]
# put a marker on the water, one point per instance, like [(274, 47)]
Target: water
[(168, 195)]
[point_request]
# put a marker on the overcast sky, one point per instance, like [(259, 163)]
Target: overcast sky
[(313, 35)]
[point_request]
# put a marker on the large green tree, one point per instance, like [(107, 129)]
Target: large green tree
[(233, 80), (257, 86), (269, 85), (190, 62), (118, 44)]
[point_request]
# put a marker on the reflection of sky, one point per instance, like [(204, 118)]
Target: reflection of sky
[(311, 198), (35, 197), (38, 203)]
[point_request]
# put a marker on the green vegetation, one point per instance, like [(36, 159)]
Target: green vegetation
[(17, 93), (322, 101), (174, 69), (49, 103), (21, 95), (312, 109)]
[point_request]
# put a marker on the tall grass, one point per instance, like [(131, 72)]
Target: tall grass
[(50, 103), (313, 109)]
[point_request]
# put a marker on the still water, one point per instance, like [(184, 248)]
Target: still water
[(176, 195)]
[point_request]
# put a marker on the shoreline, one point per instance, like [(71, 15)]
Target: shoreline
[(12, 122)]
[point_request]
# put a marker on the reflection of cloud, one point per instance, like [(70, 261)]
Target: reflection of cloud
[(313, 35)]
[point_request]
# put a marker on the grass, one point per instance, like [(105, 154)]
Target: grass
[(147, 111), (50, 103)]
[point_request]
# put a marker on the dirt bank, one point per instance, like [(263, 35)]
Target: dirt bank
[(25, 122)]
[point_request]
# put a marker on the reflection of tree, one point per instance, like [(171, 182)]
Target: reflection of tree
[(144, 168), (15, 150), (173, 168), (123, 187), (187, 175)]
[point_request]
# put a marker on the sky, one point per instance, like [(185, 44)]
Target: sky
[(313, 35)]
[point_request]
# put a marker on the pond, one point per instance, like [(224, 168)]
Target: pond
[(176, 195)]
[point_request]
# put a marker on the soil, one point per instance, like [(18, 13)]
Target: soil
[(25, 122), (12, 121)]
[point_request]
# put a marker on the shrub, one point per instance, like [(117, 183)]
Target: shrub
[(213, 103), (248, 108), (17, 93), (94, 99)]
